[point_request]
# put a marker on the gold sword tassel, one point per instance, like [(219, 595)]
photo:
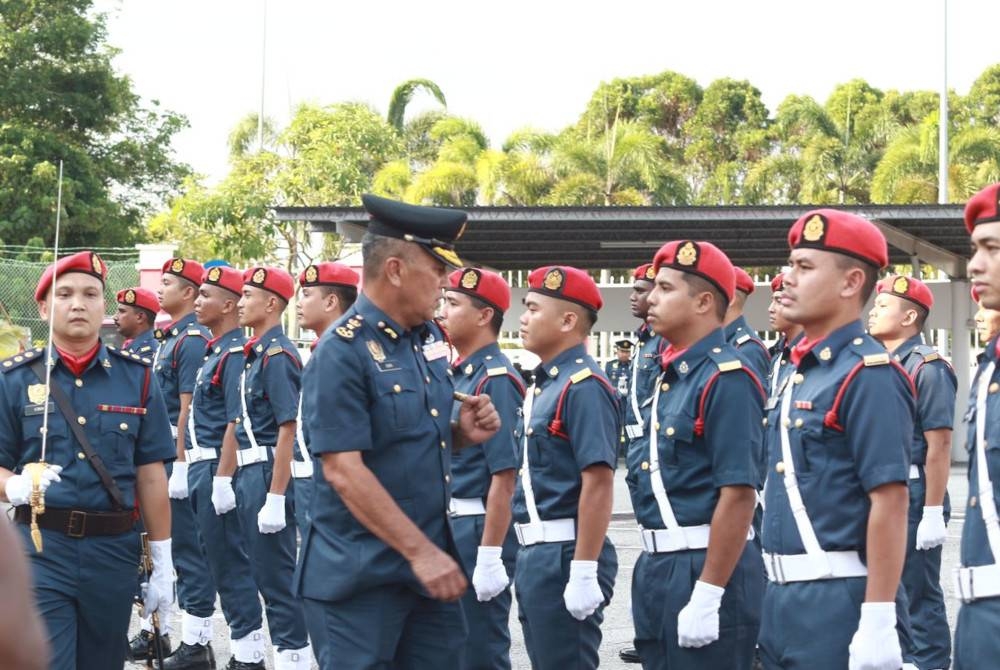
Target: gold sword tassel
[(36, 500)]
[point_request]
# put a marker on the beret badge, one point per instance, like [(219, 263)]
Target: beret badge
[(687, 255), (213, 274), (900, 285), (312, 274), (177, 266), (553, 280), (130, 297), (259, 276), (470, 280), (96, 263), (814, 229)]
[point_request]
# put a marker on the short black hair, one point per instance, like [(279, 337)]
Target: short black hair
[(150, 315), (346, 295), (698, 285), (496, 323), (845, 262)]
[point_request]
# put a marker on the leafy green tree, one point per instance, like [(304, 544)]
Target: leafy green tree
[(60, 99), (404, 93)]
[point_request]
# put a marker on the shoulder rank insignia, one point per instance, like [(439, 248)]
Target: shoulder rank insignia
[(578, 377), (876, 359), (727, 366), (272, 351), (933, 356), (497, 372), (237, 349), (345, 332), (19, 359), (145, 348), (130, 356), (744, 338)]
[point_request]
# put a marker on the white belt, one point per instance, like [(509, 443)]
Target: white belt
[(633, 431), (811, 567), (302, 469), (539, 532), (682, 538), (914, 471), (977, 583), (466, 507), (173, 432), (251, 455), (195, 454)]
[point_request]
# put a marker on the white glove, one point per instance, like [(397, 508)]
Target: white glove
[(875, 646), (698, 622), (931, 531), (582, 594), (490, 577), (18, 487), (223, 496), (271, 517), (158, 592), (177, 485)]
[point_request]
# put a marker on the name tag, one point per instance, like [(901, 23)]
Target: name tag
[(435, 350), (634, 431), (35, 410)]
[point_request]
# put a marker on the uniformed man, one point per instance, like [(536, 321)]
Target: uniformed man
[(106, 438), (176, 363), (839, 432), (739, 333), (987, 320), (135, 319), (645, 370), (698, 585), (378, 568), (482, 475), (978, 580), (567, 439), (789, 334), (210, 478), (266, 427), (897, 320), (618, 371), (326, 291)]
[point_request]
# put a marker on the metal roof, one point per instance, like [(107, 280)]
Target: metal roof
[(516, 238)]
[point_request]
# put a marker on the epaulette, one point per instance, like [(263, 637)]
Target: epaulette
[(876, 359), (135, 358), (274, 349), (17, 360), (498, 371), (724, 359), (578, 377), (236, 349), (351, 323), (727, 366), (933, 356), (744, 338)]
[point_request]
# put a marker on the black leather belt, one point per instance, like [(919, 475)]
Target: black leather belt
[(78, 523)]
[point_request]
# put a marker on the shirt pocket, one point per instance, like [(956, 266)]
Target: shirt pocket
[(31, 433), (119, 435), (675, 440), (399, 398), (811, 443)]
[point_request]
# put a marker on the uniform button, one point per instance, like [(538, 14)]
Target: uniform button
[(764, 421), (645, 465), (427, 379), (994, 387), (434, 412), (670, 430), (798, 423), (520, 473), (81, 420), (123, 426), (786, 422), (857, 340), (447, 478), (530, 431), (81, 455), (664, 386), (779, 467), (79, 383), (42, 430), (415, 348), (716, 350), (444, 444), (656, 425), (538, 391), (397, 388), (972, 501), (798, 378)]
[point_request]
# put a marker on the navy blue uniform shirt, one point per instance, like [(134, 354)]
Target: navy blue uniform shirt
[(217, 391), (273, 379), (646, 368), (178, 359), (619, 374), (975, 545), (392, 402), (698, 457), (837, 467), (123, 415), (936, 387), (587, 434), (144, 344), (744, 338)]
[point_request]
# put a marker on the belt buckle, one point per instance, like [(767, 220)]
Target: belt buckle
[(77, 525), (971, 596), (519, 534), (777, 570)]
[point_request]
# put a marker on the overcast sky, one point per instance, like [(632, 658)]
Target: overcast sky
[(522, 62)]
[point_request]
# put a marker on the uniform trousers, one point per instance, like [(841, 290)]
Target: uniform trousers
[(488, 644), (84, 588), (661, 588), (272, 556), (390, 626), (304, 488), (977, 644), (555, 640), (195, 586), (225, 551)]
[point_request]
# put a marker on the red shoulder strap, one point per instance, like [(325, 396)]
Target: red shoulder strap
[(699, 422), (556, 425), (517, 381), (832, 418), (217, 375)]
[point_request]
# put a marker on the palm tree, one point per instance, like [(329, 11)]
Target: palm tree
[(402, 96)]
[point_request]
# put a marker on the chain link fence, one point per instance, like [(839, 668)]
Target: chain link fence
[(20, 269)]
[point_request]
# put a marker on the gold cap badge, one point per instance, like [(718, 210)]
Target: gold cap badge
[(177, 265), (130, 297), (900, 285), (650, 272), (814, 229), (312, 273), (259, 276), (470, 280), (687, 254), (214, 274), (553, 279)]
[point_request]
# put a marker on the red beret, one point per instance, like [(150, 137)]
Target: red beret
[(842, 233), (703, 259), (566, 283), (646, 271), (225, 277), (328, 274), (275, 280), (186, 269), (778, 282), (86, 262), (483, 284), (983, 207), (139, 297), (912, 289), (744, 282)]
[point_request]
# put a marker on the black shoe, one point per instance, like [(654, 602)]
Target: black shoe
[(240, 665), (629, 655), (191, 657), (141, 647)]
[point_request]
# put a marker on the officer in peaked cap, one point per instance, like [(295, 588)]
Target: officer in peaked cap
[(482, 475), (567, 440), (839, 434), (378, 568), (978, 579), (697, 586), (107, 439), (902, 305), (135, 319)]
